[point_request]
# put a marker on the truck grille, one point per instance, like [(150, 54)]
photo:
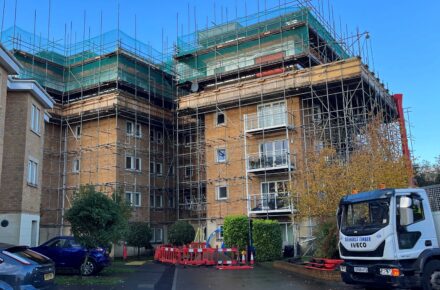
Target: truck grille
[(376, 253)]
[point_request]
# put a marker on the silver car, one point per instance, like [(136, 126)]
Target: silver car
[(24, 269)]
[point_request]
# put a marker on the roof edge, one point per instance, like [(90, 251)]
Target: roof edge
[(35, 89), (9, 62)]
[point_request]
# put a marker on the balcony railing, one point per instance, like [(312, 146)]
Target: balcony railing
[(257, 121), (268, 161), (270, 203)]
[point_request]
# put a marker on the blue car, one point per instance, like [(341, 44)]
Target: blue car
[(70, 255), (22, 268)]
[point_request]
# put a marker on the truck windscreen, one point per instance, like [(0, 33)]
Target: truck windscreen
[(365, 218)]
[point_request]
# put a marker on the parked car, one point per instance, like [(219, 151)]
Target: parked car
[(23, 268), (68, 254)]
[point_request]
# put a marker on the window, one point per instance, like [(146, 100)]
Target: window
[(158, 201), (171, 170), (188, 139), (133, 198), (35, 119), (78, 131), (188, 171), (151, 200), (130, 129), (76, 166), (133, 163), (272, 114), (220, 119), (222, 192), (219, 234), (171, 200), (159, 137), (152, 136), (159, 168), (32, 177), (220, 156), (157, 235), (152, 168)]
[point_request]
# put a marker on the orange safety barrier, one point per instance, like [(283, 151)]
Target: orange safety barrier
[(228, 258)]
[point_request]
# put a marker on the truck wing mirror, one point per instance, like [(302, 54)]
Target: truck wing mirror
[(405, 202)]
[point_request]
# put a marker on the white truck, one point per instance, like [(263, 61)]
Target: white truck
[(390, 238)]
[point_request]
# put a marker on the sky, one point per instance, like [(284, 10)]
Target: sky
[(404, 37)]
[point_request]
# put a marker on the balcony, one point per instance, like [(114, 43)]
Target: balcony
[(270, 203), (257, 122), (276, 161)]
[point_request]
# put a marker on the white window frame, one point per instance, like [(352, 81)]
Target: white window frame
[(271, 114), (217, 192), (217, 124), (35, 119), (152, 167), (217, 159), (78, 131), (160, 171), (133, 199), (219, 234), (32, 173), (159, 136), (171, 203), (136, 129), (156, 232), (76, 166), (133, 161), (160, 196)]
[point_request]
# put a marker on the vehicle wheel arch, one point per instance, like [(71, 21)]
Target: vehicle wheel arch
[(425, 257)]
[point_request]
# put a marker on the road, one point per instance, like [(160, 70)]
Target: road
[(261, 277)]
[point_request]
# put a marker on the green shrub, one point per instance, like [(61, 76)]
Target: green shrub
[(236, 231), (181, 233), (267, 240), (139, 235), (327, 239)]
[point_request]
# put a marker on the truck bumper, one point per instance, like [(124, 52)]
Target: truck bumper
[(407, 279)]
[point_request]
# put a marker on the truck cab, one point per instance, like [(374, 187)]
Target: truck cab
[(388, 237)]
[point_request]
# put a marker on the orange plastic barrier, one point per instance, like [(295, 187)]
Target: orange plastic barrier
[(228, 258)]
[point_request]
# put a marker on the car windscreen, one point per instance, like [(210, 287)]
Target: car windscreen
[(365, 217), (27, 255)]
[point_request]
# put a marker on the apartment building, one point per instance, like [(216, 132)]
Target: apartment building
[(224, 128), (111, 125), (23, 113), (256, 95)]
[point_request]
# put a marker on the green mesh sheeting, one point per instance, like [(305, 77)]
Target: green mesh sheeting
[(112, 56), (201, 54)]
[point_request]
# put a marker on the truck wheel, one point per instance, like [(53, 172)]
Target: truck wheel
[(431, 275)]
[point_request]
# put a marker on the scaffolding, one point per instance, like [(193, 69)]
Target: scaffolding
[(112, 125), (259, 92)]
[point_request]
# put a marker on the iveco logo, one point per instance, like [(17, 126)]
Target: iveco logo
[(358, 245)]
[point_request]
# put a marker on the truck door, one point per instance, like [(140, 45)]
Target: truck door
[(410, 225)]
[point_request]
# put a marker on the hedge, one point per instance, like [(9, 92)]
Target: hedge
[(236, 231), (267, 240)]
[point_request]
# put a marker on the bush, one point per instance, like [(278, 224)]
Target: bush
[(96, 219), (327, 239), (181, 233), (267, 240), (236, 231), (139, 235)]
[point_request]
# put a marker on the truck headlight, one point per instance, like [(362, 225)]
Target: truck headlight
[(343, 268), (394, 272)]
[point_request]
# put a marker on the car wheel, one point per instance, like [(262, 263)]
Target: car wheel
[(431, 275), (88, 268)]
